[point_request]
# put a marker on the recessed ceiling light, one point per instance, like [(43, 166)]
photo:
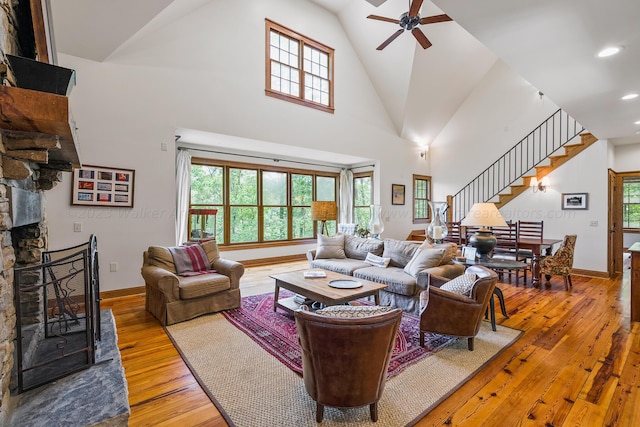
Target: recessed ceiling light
[(629, 96), (637, 122), (609, 51)]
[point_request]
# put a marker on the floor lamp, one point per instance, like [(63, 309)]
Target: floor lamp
[(323, 212), (483, 215)]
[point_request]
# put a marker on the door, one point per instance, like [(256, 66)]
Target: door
[(614, 243)]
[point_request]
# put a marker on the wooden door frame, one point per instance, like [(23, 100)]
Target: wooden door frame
[(616, 233), (614, 225)]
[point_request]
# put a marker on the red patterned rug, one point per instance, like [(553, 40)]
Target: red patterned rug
[(276, 333)]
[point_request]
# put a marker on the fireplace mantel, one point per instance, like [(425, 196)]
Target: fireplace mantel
[(37, 126)]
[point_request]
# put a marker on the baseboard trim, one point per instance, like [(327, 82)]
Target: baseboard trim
[(259, 262), (122, 292), (590, 273)]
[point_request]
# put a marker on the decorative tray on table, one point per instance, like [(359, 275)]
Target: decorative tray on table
[(345, 284)]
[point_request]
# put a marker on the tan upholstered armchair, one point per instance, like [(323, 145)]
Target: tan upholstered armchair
[(448, 313), (561, 262), (172, 298), (345, 359)]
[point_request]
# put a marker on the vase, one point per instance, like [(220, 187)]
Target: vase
[(437, 229), (376, 226)]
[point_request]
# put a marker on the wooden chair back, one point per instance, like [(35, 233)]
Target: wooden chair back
[(507, 239), (454, 233), (530, 230)]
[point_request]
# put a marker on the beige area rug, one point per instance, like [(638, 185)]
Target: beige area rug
[(253, 389)]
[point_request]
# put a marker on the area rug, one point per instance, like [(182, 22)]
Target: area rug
[(252, 388), (276, 333)]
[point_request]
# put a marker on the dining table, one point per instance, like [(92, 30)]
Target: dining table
[(536, 246)]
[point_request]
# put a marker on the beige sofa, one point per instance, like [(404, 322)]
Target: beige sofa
[(172, 298), (411, 266)]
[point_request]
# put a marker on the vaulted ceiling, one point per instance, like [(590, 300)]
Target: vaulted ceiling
[(551, 43)]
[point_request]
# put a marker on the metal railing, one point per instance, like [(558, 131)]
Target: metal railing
[(551, 135)]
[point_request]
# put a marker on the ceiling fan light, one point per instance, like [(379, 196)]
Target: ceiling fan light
[(609, 51)]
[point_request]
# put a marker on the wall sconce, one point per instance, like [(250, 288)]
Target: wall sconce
[(423, 154), (539, 185)]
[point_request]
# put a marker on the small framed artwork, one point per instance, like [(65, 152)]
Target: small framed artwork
[(574, 201), (469, 253), (397, 194), (102, 186)]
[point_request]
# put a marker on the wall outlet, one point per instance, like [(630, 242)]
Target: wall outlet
[(593, 224), (77, 227), (113, 267)]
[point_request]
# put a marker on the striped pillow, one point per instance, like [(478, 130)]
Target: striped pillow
[(190, 260), (377, 261)]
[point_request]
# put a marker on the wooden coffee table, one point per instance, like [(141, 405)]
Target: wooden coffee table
[(318, 289)]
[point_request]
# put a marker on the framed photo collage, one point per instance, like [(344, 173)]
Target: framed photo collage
[(102, 186)]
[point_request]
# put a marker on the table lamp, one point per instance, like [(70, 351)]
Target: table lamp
[(483, 215), (323, 212)]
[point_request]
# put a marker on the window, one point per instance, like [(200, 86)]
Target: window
[(631, 202), (258, 204), (362, 198), (421, 195), (298, 69)]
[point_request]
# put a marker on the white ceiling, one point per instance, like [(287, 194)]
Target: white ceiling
[(551, 43)]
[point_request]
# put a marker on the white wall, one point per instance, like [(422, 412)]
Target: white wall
[(206, 72), (503, 109), (627, 158), (500, 111)]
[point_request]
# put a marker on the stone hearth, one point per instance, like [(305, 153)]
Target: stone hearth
[(94, 397)]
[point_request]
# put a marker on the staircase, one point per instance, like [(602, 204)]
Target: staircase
[(508, 177), (571, 150)]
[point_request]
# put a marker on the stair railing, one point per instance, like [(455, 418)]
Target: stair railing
[(551, 135)]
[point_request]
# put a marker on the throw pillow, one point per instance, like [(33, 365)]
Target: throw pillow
[(330, 247), (424, 258), (377, 261), (190, 260), (358, 247), (451, 250), (399, 252), (461, 285), (352, 311)]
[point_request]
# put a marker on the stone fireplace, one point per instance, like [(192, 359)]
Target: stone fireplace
[(37, 142)]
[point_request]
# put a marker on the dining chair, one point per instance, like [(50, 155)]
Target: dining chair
[(507, 247), (454, 233), (529, 230), (561, 262)]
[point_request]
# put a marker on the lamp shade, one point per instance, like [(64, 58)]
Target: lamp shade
[(484, 215), (324, 211)]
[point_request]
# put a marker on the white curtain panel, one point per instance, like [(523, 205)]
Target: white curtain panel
[(183, 184), (346, 196)]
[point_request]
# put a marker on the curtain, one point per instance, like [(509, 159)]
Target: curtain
[(183, 184), (346, 196)]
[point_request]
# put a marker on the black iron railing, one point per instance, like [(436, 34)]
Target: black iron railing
[(551, 135)]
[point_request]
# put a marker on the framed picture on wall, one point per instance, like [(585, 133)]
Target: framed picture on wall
[(102, 186), (574, 201), (397, 194)]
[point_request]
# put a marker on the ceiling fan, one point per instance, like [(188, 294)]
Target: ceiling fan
[(409, 21)]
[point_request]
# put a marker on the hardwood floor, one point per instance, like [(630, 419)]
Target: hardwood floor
[(577, 363)]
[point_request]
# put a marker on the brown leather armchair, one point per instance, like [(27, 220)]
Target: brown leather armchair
[(345, 360), (448, 313)]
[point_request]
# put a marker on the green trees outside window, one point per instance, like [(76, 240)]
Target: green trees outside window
[(258, 204), (362, 199), (631, 203)]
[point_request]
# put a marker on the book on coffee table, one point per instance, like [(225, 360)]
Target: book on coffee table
[(312, 274)]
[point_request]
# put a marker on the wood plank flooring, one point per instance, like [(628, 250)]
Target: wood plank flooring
[(577, 363)]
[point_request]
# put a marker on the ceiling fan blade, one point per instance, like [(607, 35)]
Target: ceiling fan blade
[(422, 39), (415, 7), (383, 18), (390, 39), (435, 19)]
